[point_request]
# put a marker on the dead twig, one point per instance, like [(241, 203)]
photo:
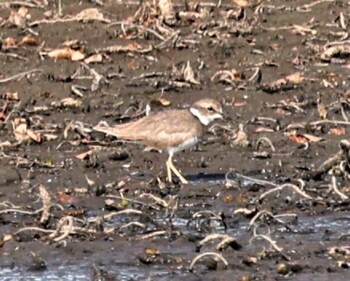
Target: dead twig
[(212, 254), (337, 191), (156, 199), (133, 201), (32, 228), (21, 211), (272, 243), (283, 186), (226, 241), (65, 225), (123, 212), (306, 7), (262, 213), (46, 199), (133, 224), (20, 75), (155, 234), (266, 140), (257, 181)]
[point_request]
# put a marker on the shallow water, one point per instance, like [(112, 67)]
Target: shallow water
[(310, 229)]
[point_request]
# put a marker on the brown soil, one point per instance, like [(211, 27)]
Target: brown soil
[(266, 36)]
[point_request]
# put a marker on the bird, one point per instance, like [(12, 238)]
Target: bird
[(172, 130)]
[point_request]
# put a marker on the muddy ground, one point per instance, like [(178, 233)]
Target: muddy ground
[(109, 214)]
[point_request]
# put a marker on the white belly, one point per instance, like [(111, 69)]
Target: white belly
[(185, 145)]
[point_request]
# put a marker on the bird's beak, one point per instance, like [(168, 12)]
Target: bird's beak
[(220, 116)]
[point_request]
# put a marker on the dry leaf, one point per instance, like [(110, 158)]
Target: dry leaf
[(18, 121), (19, 18), (282, 112), (241, 3), (6, 237), (322, 111), (327, 84), (264, 130), (189, 74), (303, 138), (241, 138), (313, 138), (29, 40), (228, 76), (301, 30), (274, 46), (66, 53), (66, 199), (73, 44), (293, 136), (133, 47), (33, 135), (10, 96), (82, 156), (22, 132), (229, 198), (70, 102), (337, 131), (152, 251), (166, 9), (50, 137), (342, 21), (91, 14), (94, 58), (10, 42), (164, 102), (286, 83), (336, 51), (239, 103), (5, 144), (296, 77), (77, 56)]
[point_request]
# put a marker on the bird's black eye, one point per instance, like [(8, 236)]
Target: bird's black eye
[(210, 108)]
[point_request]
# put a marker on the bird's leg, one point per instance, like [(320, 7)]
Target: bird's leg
[(171, 167), (168, 169)]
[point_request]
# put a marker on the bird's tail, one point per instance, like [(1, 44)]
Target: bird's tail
[(103, 127)]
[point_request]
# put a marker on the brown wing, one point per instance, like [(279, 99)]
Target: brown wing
[(160, 130)]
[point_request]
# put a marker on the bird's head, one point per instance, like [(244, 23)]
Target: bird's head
[(207, 110)]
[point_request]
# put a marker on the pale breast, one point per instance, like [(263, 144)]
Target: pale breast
[(185, 145)]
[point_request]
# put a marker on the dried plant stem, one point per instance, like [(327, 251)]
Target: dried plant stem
[(225, 240), (126, 211), (46, 199), (156, 199), (32, 228), (269, 214), (286, 185), (273, 244), (21, 211), (213, 254), (266, 140), (64, 225), (20, 75), (337, 191)]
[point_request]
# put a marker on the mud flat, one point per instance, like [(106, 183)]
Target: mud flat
[(268, 197)]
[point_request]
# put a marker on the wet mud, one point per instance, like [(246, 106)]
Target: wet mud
[(268, 197)]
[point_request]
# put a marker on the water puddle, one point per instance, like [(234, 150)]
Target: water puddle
[(311, 229)]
